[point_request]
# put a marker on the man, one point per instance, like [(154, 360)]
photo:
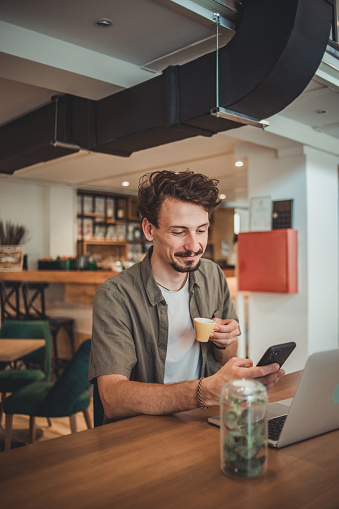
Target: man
[(144, 353)]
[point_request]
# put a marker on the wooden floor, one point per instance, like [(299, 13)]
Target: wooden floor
[(60, 426)]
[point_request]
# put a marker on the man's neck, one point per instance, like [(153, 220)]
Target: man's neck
[(166, 276)]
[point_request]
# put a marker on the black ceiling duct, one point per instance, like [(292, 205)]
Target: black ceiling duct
[(31, 139), (272, 57), (268, 63)]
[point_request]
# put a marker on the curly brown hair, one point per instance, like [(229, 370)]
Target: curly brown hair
[(186, 186)]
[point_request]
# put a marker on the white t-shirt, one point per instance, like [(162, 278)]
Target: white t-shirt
[(182, 359)]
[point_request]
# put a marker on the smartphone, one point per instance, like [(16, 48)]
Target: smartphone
[(277, 353)]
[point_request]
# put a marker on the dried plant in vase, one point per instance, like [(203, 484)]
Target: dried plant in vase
[(12, 234)]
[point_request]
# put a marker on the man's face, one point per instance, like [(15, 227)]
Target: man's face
[(181, 238)]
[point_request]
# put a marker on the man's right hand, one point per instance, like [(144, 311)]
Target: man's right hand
[(124, 398), (237, 368)]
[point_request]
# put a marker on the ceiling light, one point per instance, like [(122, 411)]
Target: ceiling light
[(222, 196), (103, 22), (125, 183), (239, 163), (320, 111)]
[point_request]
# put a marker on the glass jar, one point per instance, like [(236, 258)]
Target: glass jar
[(243, 428)]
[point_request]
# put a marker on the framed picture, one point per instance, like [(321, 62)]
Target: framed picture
[(261, 214)]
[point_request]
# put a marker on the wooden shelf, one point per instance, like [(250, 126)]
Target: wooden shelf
[(92, 214), (116, 221), (105, 248), (104, 242), (107, 216)]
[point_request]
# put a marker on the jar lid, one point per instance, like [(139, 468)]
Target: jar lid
[(243, 388)]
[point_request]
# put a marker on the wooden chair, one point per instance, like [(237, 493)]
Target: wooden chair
[(35, 309), (34, 300), (10, 301)]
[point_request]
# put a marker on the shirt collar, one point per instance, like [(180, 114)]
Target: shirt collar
[(152, 290)]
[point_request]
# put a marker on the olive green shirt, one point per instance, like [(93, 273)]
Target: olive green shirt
[(130, 322)]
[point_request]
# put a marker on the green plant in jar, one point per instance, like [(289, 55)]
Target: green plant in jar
[(243, 428)]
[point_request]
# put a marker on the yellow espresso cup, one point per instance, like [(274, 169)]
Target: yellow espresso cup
[(203, 328)]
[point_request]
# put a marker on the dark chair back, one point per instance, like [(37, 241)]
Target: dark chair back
[(31, 330), (10, 300), (98, 409), (73, 381), (34, 300)]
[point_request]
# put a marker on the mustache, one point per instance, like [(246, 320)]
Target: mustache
[(185, 254)]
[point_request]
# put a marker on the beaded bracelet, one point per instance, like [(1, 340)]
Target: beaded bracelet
[(199, 394)]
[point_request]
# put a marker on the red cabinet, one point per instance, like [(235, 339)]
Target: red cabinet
[(268, 261)]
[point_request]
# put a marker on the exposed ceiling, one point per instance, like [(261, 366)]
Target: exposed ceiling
[(50, 48)]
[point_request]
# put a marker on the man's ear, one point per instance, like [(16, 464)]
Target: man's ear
[(147, 228)]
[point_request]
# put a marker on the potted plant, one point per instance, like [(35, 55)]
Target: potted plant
[(12, 236)]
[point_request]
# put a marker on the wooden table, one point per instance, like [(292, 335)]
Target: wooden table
[(13, 349), (168, 462)]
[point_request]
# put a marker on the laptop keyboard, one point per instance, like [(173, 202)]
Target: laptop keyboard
[(275, 426)]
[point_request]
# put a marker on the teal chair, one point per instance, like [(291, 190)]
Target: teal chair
[(13, 379), (64, 398)]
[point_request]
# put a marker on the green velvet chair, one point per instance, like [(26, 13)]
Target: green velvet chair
[(64, 398), (13, 379)]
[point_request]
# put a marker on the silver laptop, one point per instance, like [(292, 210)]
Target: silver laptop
[(314, 410)]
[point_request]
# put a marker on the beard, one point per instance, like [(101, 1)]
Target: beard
[(190, 265)]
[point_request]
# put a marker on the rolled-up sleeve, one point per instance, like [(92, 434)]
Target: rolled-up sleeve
[(113, 347)]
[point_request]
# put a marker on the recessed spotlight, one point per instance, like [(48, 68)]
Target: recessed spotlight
[(222, 196), (103, 22), (125, 183), (321, 111), (239, 163)]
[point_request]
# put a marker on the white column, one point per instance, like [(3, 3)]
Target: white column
[(322, 249), (310, 178), (61, 217)]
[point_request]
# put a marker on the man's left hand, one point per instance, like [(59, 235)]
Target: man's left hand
[(225, 333)]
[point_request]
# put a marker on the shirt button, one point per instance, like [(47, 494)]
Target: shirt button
[(162, 311), (161, 345)]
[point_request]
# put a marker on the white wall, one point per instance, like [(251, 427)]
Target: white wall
[(244, 218), (322, 249), (49, 214), (23, 204), (310, 178)]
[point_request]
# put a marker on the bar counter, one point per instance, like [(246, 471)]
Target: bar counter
[(68, 276), (71, 294), (80, 285), (58, 276)]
